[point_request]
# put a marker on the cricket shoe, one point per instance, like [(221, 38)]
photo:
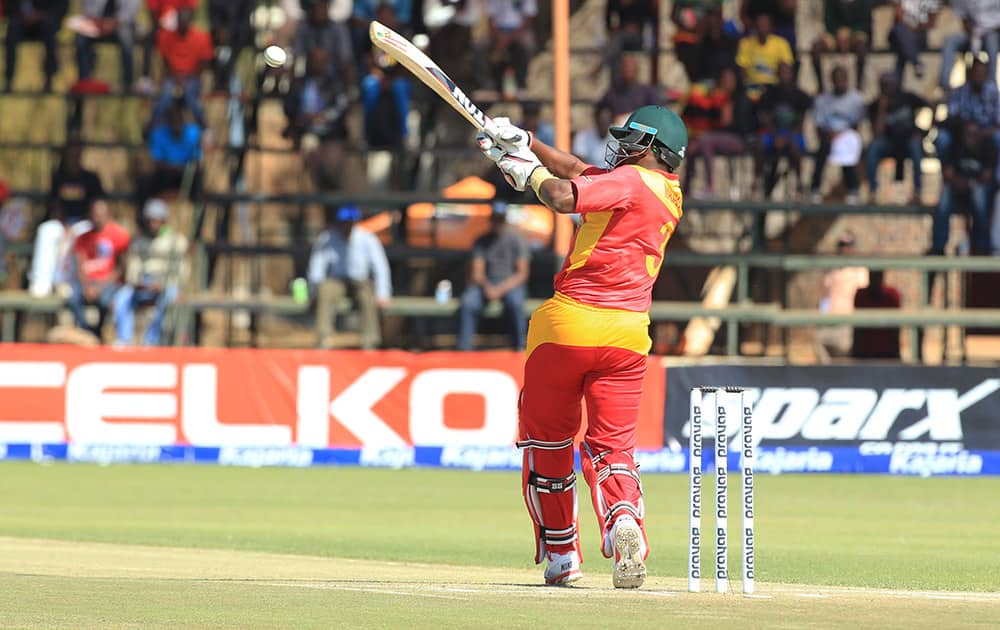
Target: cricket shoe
[(562, 568), (629, 547)]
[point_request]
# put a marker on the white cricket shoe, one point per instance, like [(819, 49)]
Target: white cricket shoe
[(630, 553), (562, 568)]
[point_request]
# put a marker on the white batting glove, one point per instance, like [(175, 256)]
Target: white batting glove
[(500, 136), (517, 167)]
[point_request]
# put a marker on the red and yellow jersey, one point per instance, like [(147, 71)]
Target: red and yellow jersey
[(629, 215)]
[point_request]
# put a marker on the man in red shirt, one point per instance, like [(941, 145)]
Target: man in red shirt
[(98, 265), (590, 341), (876, 343), (186, 52)]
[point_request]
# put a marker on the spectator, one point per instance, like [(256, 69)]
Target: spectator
[(590, 144), (319, 31), (108, 21), (688, 17), (876, 343), (174, 145), (628, 94), (98, 266), (629, 25), (401, 13), (385, 92), (499, 271), (459, 48), (718, 120), (315, 107), (33, 19), (782, 13), (760, 54), (782, 111), (512, 40), (531, 120), (908, 37), (848, 30), (837, 116), (186, 53), (231, 33), (155, 267), (347, 260), (981, 31), (894, 131), (839, 288), (967, 173), (976, 101), (161, 13), (715, 52)]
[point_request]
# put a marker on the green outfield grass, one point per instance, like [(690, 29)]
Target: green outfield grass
[(883, 534)]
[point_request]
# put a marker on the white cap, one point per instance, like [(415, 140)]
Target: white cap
[(156, 209)]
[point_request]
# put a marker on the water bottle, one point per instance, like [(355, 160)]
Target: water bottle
[(442, 294)]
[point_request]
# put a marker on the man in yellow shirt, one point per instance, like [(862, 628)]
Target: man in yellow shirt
[(760, 54)]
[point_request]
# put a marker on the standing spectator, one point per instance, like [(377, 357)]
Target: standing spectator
[(688, 17), (231, 33), (174, 145), (977, 101), (349, 261), (782, 13), (715, 52), (512, 39), (315, 107), (108, 21), (590, 144), (334, 38), (718, 120), (980, 31), (629, 25), (968, 176), (154, 269), (186, 53), (161, 12), (848, 30), (499, 271), (894, 131), (782, 112), (98, 265), (839, 288), (36, 20), (908, 37), (837, 116), (760, 54), (876, 343), (628, 94)]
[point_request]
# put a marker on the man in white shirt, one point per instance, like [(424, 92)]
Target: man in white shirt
[(981, 32), (349, 261)]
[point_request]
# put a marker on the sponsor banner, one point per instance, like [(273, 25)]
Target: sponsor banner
[(914, 459), (381, 404)]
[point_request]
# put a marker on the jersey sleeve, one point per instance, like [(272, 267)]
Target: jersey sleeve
[(598, 190)]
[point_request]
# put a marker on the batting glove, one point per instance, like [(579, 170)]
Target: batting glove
[(517, 167), (501, 137)]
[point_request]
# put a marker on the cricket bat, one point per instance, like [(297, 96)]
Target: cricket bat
[(424, 68)]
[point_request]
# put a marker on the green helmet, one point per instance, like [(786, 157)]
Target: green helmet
[(651, 127)]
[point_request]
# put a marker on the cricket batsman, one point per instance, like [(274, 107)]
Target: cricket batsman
[(589, 342)]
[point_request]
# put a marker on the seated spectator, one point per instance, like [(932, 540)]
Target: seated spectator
[(34, 20), (108, 21), (688, 17), (718, 121), (876, 343), (186, 53), (315, 107), (894, 131), (908, 37), (967, 173), (458, 46), (349, 261), (99, 254), (716, 50), (155, 267), (174, 145), (72, 192), (629, 25), (782, 112), (837, 116), (760, 54), (512, 40), (839, 288), (385, 93), (161, 13), (499, 271), (980, 32), (591, 143), (977, 101), (231, 32), (334, 38), (782, 13), (531, 120), (628, 94), (848, 30)]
